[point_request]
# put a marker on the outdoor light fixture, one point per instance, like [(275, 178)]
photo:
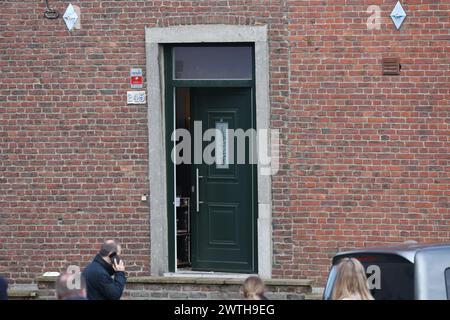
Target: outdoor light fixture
[(50, 13)]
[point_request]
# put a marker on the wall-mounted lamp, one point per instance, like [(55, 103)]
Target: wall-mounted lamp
[(50, 13)]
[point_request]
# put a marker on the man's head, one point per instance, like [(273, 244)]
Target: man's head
[(70, 285), (108, 247)]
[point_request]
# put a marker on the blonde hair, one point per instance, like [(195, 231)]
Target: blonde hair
[(254, 288), (351, 281)]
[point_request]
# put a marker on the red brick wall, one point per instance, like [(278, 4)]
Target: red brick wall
[(365, 156), (368, 155)]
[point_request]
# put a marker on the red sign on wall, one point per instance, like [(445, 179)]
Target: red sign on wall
[(136, 80)]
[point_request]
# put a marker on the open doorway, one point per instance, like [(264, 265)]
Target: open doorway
[(183, 185), (215, 202), (213, 221)]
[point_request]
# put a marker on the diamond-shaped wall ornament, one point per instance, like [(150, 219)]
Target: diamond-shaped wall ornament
[(70, 17), (398, 15)]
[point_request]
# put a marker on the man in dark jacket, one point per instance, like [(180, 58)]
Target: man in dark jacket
[(105, 275)]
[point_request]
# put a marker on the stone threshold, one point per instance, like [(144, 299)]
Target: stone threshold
[(216, 281), (203, 274), (200, 280)]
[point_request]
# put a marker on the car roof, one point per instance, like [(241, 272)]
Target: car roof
[(407, 250)]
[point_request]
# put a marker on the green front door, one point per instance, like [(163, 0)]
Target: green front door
[(223, 193)]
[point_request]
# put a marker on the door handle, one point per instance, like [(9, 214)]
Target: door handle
[(197, 190)]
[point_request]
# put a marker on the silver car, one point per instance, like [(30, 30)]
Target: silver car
[(410, 271)]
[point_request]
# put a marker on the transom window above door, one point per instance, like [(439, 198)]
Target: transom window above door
[(213, 62)]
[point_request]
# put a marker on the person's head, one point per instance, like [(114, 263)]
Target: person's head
[(254, 288), (108, 247), (351, 280), (70, 285)]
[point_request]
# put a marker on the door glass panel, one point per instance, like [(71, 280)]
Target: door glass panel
[(212, 63), (222, 154)]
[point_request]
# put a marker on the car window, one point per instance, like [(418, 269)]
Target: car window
[(391, 277), (397, 281), (330, 284), (447, 282)]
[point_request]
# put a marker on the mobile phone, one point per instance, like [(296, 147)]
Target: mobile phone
[(115, 259)]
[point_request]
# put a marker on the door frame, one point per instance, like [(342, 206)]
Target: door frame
[(155, 39), (170, 86)]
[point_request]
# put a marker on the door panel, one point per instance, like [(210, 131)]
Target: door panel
[(223, 230)]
